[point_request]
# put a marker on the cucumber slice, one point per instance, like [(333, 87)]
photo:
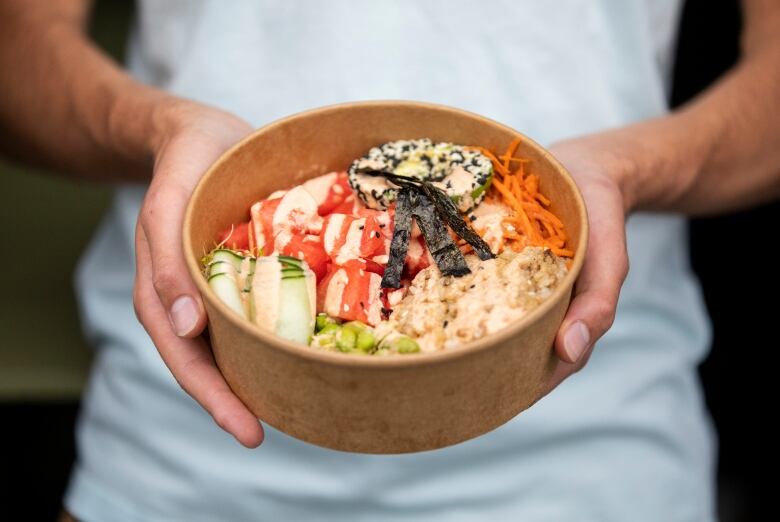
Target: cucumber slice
[(282, 298), (226, 288), (248, 266), (226, 274), (219, 267), (250, 274), (290, 262), (229, 256), (296, 317)]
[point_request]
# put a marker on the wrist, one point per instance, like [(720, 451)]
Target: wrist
[(659, 162), (143, 119)]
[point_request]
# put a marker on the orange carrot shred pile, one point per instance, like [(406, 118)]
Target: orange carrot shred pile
[(531, 224)]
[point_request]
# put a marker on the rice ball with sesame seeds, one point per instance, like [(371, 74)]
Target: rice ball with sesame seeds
[(461, 173)]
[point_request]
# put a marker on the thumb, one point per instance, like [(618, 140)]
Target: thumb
[(160, 226), (596, 293)]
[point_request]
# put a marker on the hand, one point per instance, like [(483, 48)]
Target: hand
[(599, 173), (166, 300)]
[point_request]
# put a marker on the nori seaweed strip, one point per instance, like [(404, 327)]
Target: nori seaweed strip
[(443, 249), (401, 181), (449, 212), (399, 244), (446, 209)]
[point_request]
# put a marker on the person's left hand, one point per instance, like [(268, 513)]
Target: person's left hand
[(599, 174)]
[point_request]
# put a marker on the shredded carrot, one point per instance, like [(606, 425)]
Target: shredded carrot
[(530, 223), (496, 164), (510, 152), (504, 157)]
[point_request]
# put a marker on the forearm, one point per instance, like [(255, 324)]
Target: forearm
[(65, 104), (721, 151)]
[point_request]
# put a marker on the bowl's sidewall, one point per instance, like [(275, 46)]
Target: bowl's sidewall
[(401, 404), (388, 409)]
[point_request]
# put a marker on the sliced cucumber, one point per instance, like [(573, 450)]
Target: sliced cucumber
[(219, 267), (226, 288), (245, 276), (277, 293), (223, 279), (229, 256), (250, 273), (282, 297), (296, 318), (291, 262)]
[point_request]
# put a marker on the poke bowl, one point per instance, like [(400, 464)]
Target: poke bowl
[(343, 384)]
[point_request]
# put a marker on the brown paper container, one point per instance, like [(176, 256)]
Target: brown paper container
[(359, 403)]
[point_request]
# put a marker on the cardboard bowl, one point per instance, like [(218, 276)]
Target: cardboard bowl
[(359, 403)]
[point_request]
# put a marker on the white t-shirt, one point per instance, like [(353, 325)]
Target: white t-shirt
[(627, 438)]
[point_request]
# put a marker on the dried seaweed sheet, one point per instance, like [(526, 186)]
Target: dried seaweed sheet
[(399, 244), (434, 211), (443, 249), (449, 213)]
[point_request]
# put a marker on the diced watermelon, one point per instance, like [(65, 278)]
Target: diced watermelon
[(309, 248), (235, 237), (346, 237), (347, 205), (351, 293), (277, 220), (373, 241), (262, 214), (339, 192)]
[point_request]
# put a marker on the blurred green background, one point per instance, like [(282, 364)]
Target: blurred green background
[(43, 355)]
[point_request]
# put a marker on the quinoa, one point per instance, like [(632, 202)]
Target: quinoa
[(442, 312)]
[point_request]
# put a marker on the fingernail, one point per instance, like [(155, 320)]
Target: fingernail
[(184, 315), (576, 340)]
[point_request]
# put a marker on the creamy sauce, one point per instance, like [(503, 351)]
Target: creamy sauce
[(374, 308), (296, 211), (320, 187), (334, 293), (265, 292), (443, 312), (351, 247), (257, 224), (459, 180), (333, 231), (489, 223)]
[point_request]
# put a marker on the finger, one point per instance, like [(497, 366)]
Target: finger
[(190, 360), (592, 309), (161, 218), (564, 370)]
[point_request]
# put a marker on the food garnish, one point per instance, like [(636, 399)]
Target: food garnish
[(461, 173)]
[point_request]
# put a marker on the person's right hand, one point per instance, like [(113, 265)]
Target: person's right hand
[(166, 300), (592, 161)]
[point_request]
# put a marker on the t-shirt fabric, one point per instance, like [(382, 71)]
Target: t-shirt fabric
[(627, 438)]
